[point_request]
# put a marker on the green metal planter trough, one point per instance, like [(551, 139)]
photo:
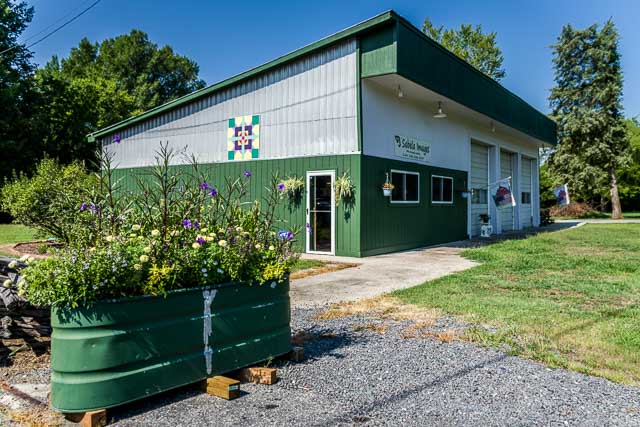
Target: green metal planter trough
[(118, 351)]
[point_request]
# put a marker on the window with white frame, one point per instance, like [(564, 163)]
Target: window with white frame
[(441, 189), (479, 196), (406, 187)]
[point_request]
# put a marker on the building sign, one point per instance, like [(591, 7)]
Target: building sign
[(243, 138), (412, 149)]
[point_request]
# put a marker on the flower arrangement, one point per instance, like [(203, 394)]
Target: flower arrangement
[(484, 218), (344, 188), (177, 230)]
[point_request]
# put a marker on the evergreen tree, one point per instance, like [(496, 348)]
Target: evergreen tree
[(471, 44), (586, 104)]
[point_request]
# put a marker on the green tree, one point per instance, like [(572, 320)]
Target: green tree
[(103, 83), (630, 176), (586, 104), (471, 44), (17, 95)]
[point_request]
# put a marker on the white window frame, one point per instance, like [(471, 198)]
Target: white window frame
[(405, 202), (442, 202), (332, 173)]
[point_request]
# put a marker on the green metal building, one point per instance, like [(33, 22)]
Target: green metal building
[(379, 101)]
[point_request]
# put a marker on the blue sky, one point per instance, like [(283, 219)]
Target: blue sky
[(226, 38)]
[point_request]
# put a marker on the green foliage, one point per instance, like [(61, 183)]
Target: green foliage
[(103, 83), (344, 189), (586, 104), (18, 98), (630, 176), (49, 201), (176, 230), (471, 44)]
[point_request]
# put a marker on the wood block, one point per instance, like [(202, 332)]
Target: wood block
[(89, 419), (227, 388), (258, 375), (296, 354)]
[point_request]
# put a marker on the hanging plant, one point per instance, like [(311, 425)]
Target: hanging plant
[(344, 188), (387, 187), (292, 187)]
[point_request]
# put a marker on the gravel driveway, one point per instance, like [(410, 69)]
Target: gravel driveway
[(360, 376)]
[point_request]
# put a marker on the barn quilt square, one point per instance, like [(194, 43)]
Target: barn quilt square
[(243, 138)]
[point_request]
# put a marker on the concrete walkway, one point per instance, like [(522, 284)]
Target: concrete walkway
[(377, 275)]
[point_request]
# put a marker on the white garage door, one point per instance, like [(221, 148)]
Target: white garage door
[(526, 219), (479, 182), (506, 170)]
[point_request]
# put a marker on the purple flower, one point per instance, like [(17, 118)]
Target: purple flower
[(83, 207), (116, 139), (200, 240), (282, 187), (204, 186), (309, 229), (213, 192), (186, 223), (285, 235), (247, 173), (196, 224), (94, 208)]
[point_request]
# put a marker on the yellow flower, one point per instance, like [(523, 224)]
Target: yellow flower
[(245, 233), (223, 243), (109, 238), (144, 258), (258, 246), (135, 227), (271, 247), (137, 267), (92, 249), (238, 229), (212, 234), (202, 208), (155, 233), (147, 249), (195, 245), (7, 283), (208, 238), (24, 258), (204, 229), (13, 264)]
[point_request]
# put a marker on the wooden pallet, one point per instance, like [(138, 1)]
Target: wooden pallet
[(89, 419), (224, 387)]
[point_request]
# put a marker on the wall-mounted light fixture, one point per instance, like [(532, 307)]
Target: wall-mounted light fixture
[(439, 114), (400, 92)]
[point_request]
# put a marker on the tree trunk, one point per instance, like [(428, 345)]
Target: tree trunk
[(616, 209)]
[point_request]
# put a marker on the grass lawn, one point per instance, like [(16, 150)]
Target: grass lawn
[(14, 233), (304, 264), (569, 299)]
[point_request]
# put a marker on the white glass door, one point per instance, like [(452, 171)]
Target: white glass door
[(320, 212)]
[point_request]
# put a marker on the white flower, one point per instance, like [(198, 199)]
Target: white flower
[(271, 247), (238, 229), (13, 264), (195, 245), (204, 229), (204, 270), (220, 271), (155, 233), (92, 249), (7, 283), (208, 238), (109, 238), (258, 246), (135, 227), (137, 267), (223, 243), (23, 258), (30, 260), (147, 250), (212, 234), (140, 237), (144, 258)]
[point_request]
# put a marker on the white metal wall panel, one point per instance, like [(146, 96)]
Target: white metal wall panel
[(526, 218), (506, 170), (479, 178), (306, 107)]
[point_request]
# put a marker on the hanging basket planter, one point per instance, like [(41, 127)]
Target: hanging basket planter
[(387, 187), (117, 351)]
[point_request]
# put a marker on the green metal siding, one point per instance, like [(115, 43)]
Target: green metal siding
[(378, 50), (388, 227), (114, 352), (347, 222)]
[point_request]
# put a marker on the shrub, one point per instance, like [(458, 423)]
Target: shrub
[(545, 217), (573, 210), (50, 199), (177, 230)]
